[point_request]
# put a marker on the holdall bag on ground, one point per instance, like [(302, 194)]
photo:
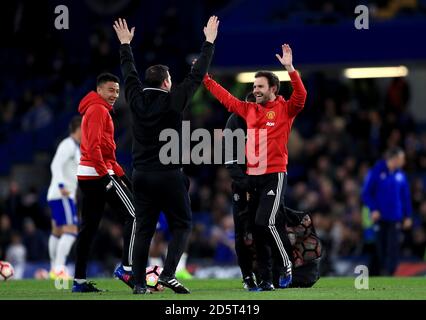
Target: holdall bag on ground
[(307, 248)]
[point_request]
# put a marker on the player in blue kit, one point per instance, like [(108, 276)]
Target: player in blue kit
[(61, 198)]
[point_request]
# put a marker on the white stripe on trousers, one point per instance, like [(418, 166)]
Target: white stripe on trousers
[(272, 217), (131, 209), (67, 210)]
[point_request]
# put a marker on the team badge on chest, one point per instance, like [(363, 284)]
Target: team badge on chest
[(270, 115)]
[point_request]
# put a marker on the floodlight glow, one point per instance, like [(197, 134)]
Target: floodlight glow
[(376, 72), (248, 77)]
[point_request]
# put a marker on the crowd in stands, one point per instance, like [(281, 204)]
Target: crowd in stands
[(343, 130)]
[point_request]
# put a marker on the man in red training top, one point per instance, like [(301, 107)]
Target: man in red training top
[(269, 122), (101, 179)]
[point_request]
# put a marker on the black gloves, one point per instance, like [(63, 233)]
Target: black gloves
[(106, 182), (127, 182)]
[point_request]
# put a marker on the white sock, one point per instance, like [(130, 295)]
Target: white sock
[(80, 281), (155, 261), (64, 246), (182, 262), (127, 268), (53, 244)]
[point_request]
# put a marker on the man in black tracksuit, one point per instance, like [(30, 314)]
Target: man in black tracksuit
[(235, 164), (156, 106), (243, 233)]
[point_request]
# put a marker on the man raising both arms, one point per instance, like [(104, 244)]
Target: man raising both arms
[(158, 186), (267, 158)]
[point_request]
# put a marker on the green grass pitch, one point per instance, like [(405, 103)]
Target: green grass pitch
[(213, 289)]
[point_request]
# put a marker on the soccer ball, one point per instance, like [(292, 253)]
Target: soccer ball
[(301, 231), (6, 270), (307, 250), (152, 274), (306, 244)]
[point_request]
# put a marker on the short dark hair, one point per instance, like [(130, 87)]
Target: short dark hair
[(106, 77), (155, 75), (75, 123), (393, 152), (273, 80)]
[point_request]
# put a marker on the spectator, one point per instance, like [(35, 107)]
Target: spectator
[(222, 239), (16, 255), (35, 242), (39, 115), (14, 205), (5, 235), (387, 195)]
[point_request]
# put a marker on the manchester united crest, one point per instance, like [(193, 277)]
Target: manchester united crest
[(270, 115)]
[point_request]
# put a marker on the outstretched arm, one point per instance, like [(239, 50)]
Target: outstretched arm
[(183, 92), (225, 98), (133, 85), (298, 97)]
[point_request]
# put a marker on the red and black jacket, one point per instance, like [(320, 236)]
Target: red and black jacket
[(97, 139), (275, 118)]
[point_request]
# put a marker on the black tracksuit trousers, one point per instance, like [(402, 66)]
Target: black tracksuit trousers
[(266, 197), (243, 230), (157, 191), (95, 194)]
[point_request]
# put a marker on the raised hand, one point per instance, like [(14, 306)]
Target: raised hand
[(124, 35), (210, 31), (287, 58)]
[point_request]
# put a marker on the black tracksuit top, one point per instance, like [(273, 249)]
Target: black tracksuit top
[(154, 109)]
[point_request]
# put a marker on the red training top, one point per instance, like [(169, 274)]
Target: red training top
[(266, 150), (97, 139)]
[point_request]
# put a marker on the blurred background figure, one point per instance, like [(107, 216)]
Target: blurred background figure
[(16, 254), (386, 193), (62, 198), (35, 241)]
